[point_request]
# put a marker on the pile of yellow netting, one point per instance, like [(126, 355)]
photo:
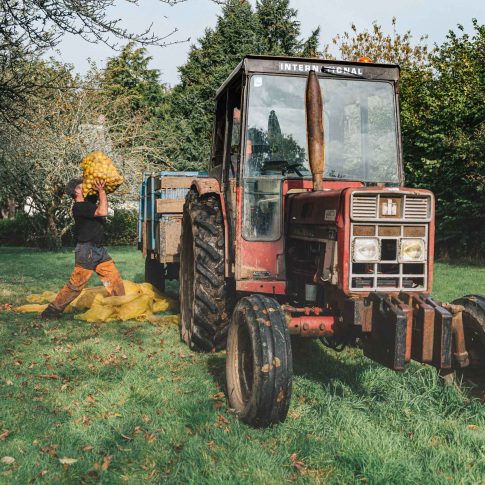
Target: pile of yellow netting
[(141, 302), (97, 165)]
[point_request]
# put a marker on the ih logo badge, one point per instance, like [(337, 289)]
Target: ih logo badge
[(390, 207)]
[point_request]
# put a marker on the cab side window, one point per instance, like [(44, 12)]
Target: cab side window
[(219, 133)]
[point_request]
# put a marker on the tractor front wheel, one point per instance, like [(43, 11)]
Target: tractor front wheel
[(474, 328), (259, 368)]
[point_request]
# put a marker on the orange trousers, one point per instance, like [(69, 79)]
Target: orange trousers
[(108, 274)]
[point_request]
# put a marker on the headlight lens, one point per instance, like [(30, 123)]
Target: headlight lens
[(412, 250), (366, 250)]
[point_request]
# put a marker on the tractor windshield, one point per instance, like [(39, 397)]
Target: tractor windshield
[(360, 129)]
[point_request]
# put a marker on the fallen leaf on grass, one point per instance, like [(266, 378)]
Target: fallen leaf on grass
[(152, 474), (7, 460), (109, 414), (211, 445), (106, 462), (48, 376), (8, 382), (4, 435), (222, 419), (470, 426), (93, 475), (87, 448), (150, 437), (67, 461), (50, 449), (298, 464), (90, 398), (294, 414)]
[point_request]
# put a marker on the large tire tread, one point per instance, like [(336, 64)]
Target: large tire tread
[(270, 394), (204, 327)]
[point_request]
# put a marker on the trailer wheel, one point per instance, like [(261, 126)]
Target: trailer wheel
[(474, 328), (204, 299), (155, 273), (259, 368)]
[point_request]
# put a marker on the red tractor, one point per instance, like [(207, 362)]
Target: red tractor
[(303, 227)]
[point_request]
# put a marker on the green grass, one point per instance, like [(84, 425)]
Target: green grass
[(131, 404)]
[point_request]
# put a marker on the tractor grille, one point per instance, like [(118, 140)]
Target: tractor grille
[(364, 207), (416, 208), (388, 274), (387, 206)]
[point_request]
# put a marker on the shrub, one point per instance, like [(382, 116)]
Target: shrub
[(121, 228), (19, 231)]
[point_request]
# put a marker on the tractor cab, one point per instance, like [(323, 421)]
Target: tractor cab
[(260, 151)]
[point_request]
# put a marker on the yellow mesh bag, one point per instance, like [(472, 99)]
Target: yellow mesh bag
[(149, 290), (45, 297), (164, 319), (163, 304), (135, 308), (98, 165), (32, 308), (140, 303), (87, 296), (131, 288), (118, 300), (98, 312)]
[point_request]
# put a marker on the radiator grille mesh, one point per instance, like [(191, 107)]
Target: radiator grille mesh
[(365, 207)]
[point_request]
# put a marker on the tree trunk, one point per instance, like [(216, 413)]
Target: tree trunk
[(12, 208), (53, 236)]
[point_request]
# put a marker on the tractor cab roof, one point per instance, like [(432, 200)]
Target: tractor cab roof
[(300, 66)]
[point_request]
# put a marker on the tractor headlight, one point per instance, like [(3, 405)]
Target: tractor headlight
[(411, 250), (366, 250)]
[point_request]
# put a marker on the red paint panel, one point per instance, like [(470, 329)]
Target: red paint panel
[(253, 286), (206, 185), (311, 326)]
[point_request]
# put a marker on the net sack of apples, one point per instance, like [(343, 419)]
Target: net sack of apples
[(98, 165)]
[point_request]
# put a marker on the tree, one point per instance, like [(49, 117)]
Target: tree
[(30, 27), (448, 133), (129, 75), (443, 123), (279, 26), (272, 28), (44, 153), (392, 47)]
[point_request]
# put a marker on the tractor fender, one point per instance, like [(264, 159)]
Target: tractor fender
[(206, 186)]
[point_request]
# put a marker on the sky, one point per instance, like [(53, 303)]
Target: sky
[(433, 18)]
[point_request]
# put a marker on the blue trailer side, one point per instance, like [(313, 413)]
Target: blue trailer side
[(162, 195)]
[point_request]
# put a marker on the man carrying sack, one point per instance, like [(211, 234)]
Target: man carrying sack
[(90, 254)]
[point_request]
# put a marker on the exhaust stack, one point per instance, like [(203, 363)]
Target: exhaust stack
[(314, 126)]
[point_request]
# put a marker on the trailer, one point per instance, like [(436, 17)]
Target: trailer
[(162, 197)]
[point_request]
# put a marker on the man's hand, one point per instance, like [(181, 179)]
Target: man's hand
[(99, 185), (102, 210)]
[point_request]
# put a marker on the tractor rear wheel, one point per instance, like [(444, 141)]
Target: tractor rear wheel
[(474, 328), (155, 273), (204, 298), (259, 368)]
